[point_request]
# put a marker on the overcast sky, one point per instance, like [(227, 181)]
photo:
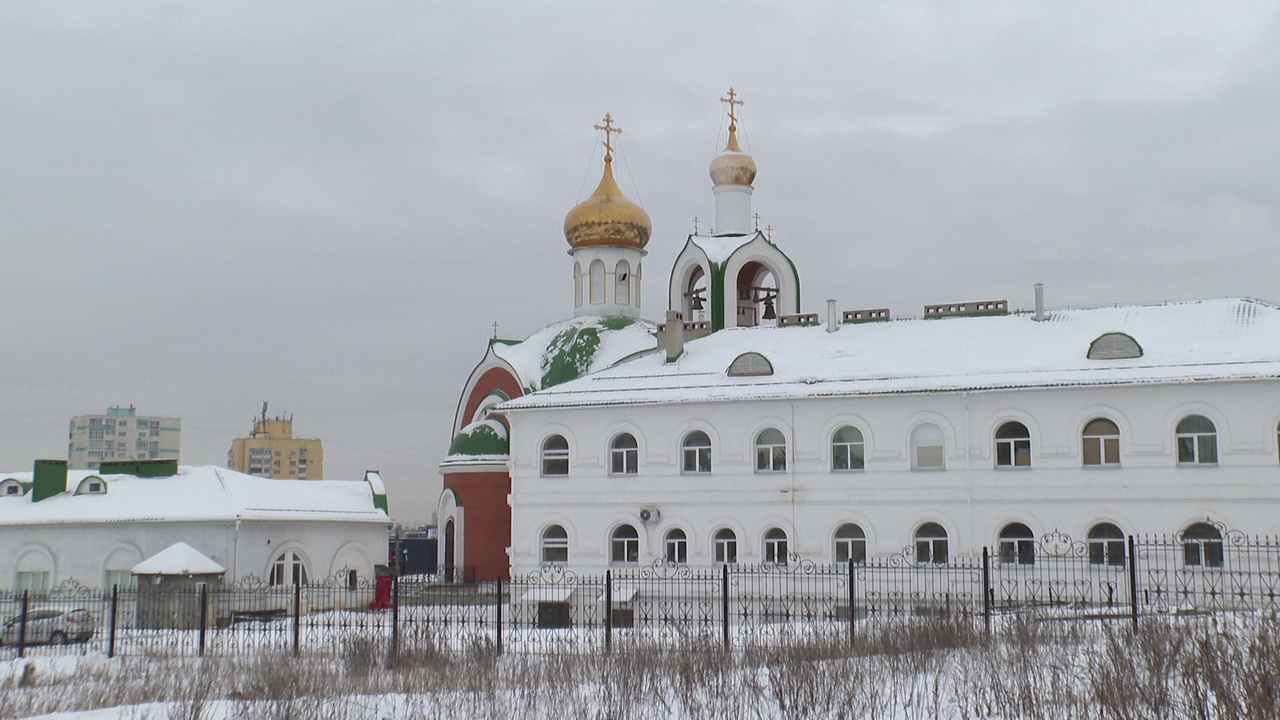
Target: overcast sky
[(325, 206)]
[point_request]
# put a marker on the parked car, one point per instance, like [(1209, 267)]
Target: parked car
[(57, 627)]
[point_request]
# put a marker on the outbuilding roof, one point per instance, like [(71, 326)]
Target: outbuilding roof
[(1193, 341), (196, 493), (178, 559)]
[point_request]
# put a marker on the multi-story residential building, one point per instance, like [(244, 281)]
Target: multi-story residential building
[(272, 451), (121, 434)]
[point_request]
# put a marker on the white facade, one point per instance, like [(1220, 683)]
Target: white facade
[(967, 377), (245, 524), (606, 281)]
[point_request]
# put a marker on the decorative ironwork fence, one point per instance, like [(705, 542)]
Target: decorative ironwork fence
[(1207, 569)]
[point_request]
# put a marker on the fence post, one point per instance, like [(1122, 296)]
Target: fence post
[(204, 616), (395, 615), (986, 588), (724, 601), (111, 639), (297, 617), (608, 610), (1133, 581), (497, 601), (22, 626), (852, 595)]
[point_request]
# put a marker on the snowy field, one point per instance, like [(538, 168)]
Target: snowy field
[(1222, 666)]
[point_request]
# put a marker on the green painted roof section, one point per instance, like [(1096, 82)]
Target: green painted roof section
[(487, 437), (569, 349)]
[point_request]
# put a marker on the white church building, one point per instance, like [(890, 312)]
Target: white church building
[(98, 529), (752, 432)]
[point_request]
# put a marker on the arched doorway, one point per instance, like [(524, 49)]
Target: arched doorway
[(449, 560)]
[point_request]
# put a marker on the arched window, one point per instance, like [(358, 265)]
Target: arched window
[(624, 455), (1013, 445), (622, 283), (696, 449), (846, 449), (775, 546), (726, 542), (624, 545), (1197, 441), (555, 456), (851, 544), (555, 545), (771, 451), (1106, 545), (639, 277), (1101, 443), (597, 282), (927, 448), (931, 544), (577, 285), (677, 546), (1202, 546), (288, 569), (1017, 545)]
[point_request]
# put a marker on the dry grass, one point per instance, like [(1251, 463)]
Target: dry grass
[(1221, 668)]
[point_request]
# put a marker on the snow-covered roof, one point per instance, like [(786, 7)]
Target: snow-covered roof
[(719, 248), (1223, 339), (569, 349), (178, 559), (196, 493)]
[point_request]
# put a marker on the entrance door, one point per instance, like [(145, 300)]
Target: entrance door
[(449, 561)]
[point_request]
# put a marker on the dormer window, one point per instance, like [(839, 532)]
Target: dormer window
[(1114, 346), (92, 485), (750, 364), (9, 486)]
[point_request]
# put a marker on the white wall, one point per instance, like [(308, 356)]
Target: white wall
[(1149, 493)]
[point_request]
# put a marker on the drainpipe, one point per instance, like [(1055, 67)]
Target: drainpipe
[(1039, 314)]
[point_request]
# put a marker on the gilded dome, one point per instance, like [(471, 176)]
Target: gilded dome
[(607, 217), (734, 167)]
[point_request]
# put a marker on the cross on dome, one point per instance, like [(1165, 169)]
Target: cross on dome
[(731, 101), (609, 131)]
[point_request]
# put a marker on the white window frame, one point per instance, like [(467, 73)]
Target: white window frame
[(676, 546), (555, 461), (850, 544), (1105, 547), (776, 546), (922, 440), (1201, 445), (932, 547), (1013, 451), (624, 460), (726, 545), (1101, 447), (695, 459), (554, 546), (771, 454), (848, 455), (624, 549), (288, 569)]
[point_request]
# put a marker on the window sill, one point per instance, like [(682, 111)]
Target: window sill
[(848, 470), (1197, 465)]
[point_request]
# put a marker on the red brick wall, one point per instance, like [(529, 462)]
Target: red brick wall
[(487, 530)]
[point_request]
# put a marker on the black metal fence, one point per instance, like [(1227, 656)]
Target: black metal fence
[(555, 609)]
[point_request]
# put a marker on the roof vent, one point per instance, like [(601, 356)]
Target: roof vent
[(1114, 346), (750, 364)]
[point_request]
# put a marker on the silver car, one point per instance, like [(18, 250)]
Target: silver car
[(57, 627)]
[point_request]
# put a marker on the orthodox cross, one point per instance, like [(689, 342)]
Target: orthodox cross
[(609, 131), (757, 219), (768, 232), (731, 101), (695, 224), (495, 329)]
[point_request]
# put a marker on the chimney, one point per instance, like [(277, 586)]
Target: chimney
[(49, 479), (1039, 314), (832, 323), (673, 338)]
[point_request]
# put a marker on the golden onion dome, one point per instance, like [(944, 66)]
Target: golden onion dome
[(607, 217), (734, 167)]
